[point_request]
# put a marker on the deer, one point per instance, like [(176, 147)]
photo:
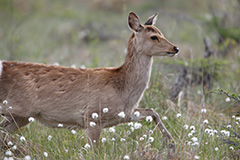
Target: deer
[(90, 99)]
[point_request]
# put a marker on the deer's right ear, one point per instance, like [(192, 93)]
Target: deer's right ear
[(151, 20), (134, 22)]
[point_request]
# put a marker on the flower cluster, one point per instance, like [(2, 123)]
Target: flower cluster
[(210, 132), (121, 115)]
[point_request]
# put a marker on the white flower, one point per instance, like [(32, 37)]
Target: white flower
[(10, 143), (27, 157), (195, 143), (179, 115), (92, 124), (49, 138), (22, 139), (229, 126), (185, 126), (104, 140), (194, 139), (87, 146), (207, 130), (112, 130), (126, 157), (113, 139), (73, 131), (226, 133), (137, 113), (151, 139), (132, 129), (231, 148), (128, 132), (14, 147), (105, 110), (189, 143), (122, 139), (204, 110), (10, 158), (8, 153), (83, 66), (130, 124), (150, 131), (216, 149), (199, 92), (196, 157), (141, 139), (193, 131), (211, 134), (121, 114), (228, 99), (137, 125), (60, 125), (149, 118), (164, 118), (5, 102), (10, 107), (233, 116), (56, 64), (144, 136), (30, 119), (192, 127), (205, 121), (238, 118), (94, 115), (190, 134), (45, 154), (73, 66)]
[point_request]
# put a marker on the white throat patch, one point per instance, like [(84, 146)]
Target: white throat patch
[(1, 68)]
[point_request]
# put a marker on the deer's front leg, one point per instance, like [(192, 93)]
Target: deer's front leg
[(93, 134), (144, 112)]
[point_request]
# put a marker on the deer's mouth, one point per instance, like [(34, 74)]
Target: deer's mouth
[(171, 54)]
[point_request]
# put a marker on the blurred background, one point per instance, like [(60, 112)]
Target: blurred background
[(95, 33)]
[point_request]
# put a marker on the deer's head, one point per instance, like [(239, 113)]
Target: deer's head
[(148, 39)]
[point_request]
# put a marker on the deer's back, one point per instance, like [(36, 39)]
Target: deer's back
[(56, 91)]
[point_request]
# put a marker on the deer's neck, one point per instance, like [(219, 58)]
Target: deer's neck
[(137, 70)]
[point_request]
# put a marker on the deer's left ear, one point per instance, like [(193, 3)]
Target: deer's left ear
[(134, 22), (151, 20)]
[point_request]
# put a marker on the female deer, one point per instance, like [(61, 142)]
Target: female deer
[(60, 95)]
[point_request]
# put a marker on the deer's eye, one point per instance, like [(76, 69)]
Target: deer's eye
[(154, 38)]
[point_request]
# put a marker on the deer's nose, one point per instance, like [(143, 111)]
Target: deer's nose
[(176, 49)]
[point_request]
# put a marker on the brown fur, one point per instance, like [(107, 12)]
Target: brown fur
[(57, 94)]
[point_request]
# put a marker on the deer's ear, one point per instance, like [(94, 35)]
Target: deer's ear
[(151, 20), (134, 22)]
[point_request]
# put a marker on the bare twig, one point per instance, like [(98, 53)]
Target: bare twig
[(235, 97)]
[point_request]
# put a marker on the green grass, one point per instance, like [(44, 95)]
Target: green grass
[(66, 145), (81, 33)]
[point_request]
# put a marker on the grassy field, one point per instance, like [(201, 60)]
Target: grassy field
[(94, 34)]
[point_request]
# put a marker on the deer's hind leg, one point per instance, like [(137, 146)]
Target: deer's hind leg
[(8, 125), (144, 112), (11, 124)]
